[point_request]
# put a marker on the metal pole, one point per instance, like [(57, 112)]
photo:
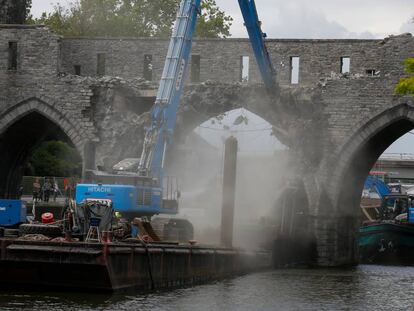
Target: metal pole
[(229, 189)]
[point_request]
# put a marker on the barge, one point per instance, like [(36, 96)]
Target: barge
[(104, 240), (387, 236), (108, 267)]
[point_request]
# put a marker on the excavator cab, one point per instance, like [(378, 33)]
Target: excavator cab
[(132, 195)]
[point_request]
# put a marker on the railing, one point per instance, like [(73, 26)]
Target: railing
[(397, 156), (27, 184)]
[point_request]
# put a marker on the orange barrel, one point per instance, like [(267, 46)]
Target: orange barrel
[(47, 218)]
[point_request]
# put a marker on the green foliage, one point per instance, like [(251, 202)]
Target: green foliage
[(406, 85), (55, 158), (19, 11), (135, 18), (28, 8), (409, 65), (213, 22)]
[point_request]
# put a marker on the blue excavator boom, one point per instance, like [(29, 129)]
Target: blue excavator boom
[(142, 193), (373, 183), (257, 39), (164, 111)]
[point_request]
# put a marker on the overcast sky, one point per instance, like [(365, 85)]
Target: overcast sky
[(312, 19)]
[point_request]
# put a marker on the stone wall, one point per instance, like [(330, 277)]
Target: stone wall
[(363, 116), (32, 89), (36, 76), (221, 58), (37, 52)]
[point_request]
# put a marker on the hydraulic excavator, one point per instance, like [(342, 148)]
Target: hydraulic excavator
[(139, 187)]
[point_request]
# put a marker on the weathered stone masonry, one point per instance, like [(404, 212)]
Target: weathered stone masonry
[(336, 125), (36, 80), (220, 60)]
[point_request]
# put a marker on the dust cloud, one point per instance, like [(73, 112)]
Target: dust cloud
[(260, 181)]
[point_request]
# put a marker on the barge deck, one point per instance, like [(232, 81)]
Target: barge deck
[(108, 267)]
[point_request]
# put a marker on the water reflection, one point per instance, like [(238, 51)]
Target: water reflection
[(360, 288)]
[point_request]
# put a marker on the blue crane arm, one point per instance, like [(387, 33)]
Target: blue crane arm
[(257, 39), (376, 184), (164, 111)]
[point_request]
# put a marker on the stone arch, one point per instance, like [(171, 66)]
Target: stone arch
[(368, 142), (22, 128), (209, 100), (347, 168), (16, 112)]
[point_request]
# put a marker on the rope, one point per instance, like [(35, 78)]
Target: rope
[(57, 222), (149, 261)]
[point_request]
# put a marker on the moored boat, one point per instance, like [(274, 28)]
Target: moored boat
[(387, 243), (387, 236)]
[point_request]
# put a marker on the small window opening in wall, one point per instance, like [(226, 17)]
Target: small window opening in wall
[(148, 67), (195, 68), (294, 69), (345, 64), (101, 64), (244, 68), (12, 63), (372, 72), (77, 69)]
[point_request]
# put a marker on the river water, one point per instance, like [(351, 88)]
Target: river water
[(360, 288)]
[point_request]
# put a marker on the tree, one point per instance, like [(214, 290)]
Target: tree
[(55, 158), (15, 11), (28, 6), (137, 18), (213, 22), (406, 85)]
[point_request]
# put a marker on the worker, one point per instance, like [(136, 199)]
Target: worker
[(36, 190), (55, 189), (66, 186), (20, 191), (47, 187)]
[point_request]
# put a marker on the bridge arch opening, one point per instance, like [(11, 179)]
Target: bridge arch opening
[(358, 158), (18, 140), (261, 174), (363, 161)]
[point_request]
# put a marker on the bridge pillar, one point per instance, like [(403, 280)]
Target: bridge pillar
[(89, 153), (313, 230), (337, 241), (295, 241)]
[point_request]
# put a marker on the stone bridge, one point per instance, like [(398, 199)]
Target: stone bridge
[(336, 109)]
